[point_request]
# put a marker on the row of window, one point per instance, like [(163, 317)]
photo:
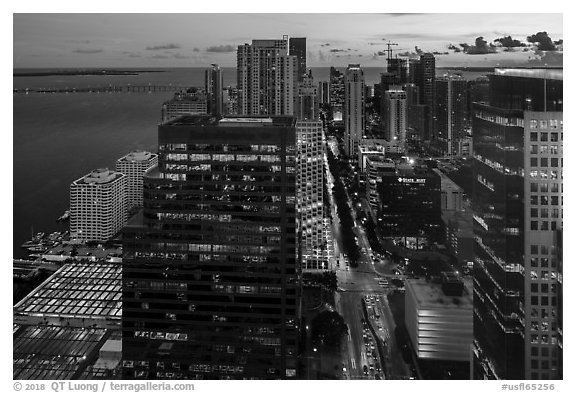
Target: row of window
[(543, 249), (544, 275), (544, 124), (544, 149), (543, 262), (545, 136), (545, 200), (545, 175), (544, 226), (545, 187), (544, 162)]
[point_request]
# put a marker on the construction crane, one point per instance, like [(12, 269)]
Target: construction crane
[(389, 50)]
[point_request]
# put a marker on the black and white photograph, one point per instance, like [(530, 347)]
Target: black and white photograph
[(346, 196)]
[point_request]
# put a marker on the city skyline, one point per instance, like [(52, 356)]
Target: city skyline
[(284, 227), (78, 40)]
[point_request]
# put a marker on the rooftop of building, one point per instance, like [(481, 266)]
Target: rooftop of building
[(137, 156), (533, 73), (238, 121), (79, 290), (77, 249), (380, 161), (99, 176), (446, 183), (430, 294), (54, 352)]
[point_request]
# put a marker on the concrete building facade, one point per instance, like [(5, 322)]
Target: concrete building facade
[(134, 165), (98, 205), (354, 109)]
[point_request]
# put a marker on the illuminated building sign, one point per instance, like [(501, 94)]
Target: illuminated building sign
[(408, 180)]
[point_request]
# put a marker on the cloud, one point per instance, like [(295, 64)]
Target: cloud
[(180, 56), (337, 50), (221, 49), (88, 51), (132, 54), (380, 53), (542, 41), (413, 55), (79, 41), (325, 44), (163, 47), (196, 50), (480, 47), (321, 56), (436, 53), (160, 57), (509, 42), (454, 48)]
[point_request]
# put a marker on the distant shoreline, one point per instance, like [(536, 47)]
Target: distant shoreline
[(83, 72)]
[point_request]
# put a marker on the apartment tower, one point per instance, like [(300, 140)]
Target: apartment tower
[(134, 165), (354, 109), (266, 78), (98, 205)]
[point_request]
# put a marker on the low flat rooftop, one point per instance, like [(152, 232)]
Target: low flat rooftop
[(137, 156), (99, 176), (534, 73), (238, 121), (54, 352), (79, 290), (445, 182), (430, 295)]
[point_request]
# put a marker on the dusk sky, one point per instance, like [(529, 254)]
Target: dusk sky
[(196, 40)]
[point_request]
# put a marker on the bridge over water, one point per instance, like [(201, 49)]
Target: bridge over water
[(104, 89)]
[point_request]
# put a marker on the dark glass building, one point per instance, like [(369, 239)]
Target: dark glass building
[(297, 47), (514, 253), (210, 285), (213, 84), (424, 76), (451, 114), (409, 204)]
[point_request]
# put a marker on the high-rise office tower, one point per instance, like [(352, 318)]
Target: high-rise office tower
[(213, 83), (310, 150), (266, 78), (98, 205), (324, 92), (307, 99), (542, 290), (412, 94), (424, 78), (451, 114), (210, 285), (336, 93), (354, 108), (395, 109), (517, 211), (297, 47), (134, 165)]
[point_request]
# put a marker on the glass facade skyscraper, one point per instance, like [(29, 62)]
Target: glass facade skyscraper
[(517, 207), (210, 270)]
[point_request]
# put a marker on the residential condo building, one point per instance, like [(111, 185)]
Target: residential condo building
[(98, 205)]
